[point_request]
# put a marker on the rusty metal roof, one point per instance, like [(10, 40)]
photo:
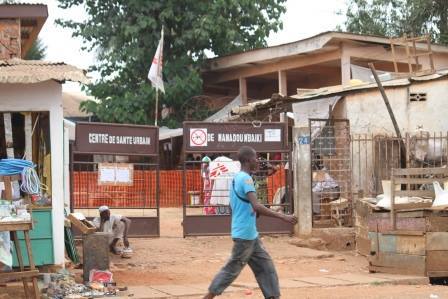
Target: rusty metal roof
[(34, 71), (362, 86), (337, 90)]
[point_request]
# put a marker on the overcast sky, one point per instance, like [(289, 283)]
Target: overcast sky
[(302, 19)]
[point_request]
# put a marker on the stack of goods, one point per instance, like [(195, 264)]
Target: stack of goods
[(13, 211)]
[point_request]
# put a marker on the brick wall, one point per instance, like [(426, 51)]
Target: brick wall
[(9, 38)]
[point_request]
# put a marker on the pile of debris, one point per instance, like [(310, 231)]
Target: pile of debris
[(63, 285)]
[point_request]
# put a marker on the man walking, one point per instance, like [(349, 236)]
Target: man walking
[(247, 247)]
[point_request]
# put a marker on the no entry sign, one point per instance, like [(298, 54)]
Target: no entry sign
[(198, 137), (229, 137)]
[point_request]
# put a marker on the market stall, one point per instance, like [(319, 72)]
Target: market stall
[(32, 128)]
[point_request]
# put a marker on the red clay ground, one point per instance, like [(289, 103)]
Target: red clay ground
[(172, 259)]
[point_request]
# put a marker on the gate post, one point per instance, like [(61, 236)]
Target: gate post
[(302, 181)]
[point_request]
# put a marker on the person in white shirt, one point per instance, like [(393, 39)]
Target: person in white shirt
[(116, 226)]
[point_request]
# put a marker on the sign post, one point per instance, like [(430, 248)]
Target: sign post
[(103, 138), (118, 185), (209, 138), (229, 137)]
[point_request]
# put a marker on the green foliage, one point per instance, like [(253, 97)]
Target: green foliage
[(125, 33), (398, 17), (37, 50)]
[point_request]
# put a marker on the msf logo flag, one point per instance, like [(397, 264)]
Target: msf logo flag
[(155, 72)]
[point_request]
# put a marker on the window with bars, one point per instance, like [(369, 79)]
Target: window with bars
[(417, 96)]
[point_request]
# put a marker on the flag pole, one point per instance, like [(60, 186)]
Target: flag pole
[(157, 106)]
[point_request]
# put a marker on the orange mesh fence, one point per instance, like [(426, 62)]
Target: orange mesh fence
[(142, 194)]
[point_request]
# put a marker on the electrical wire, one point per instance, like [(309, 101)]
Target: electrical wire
[(14, 166), (30, 181)]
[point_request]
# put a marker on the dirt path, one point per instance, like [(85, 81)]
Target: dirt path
[(173, 258)]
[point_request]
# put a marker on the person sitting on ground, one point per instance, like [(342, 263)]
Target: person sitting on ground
[(115, 225)]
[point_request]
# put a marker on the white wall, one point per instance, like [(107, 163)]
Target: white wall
[(368, 114), (433, 113), (45, 96)]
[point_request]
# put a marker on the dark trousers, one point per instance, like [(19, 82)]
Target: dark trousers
[(253, 253)]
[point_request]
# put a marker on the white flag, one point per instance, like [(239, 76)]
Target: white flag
[(155, 72)]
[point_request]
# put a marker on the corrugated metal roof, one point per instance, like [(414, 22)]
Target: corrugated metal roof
[(340, 89), (22, 3), (35, 71), (252, 106), (329, 91)]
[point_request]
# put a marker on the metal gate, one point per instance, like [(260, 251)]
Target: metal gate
[(102, 151), (331, 172), (210, 162)]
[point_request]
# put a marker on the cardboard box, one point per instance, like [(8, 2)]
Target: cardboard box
[(81, 223)]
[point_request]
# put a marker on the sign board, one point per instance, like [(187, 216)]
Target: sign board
[(303, 140), (115, 174), (103, 138), (229, 137)]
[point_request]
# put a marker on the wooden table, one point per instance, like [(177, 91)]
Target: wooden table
[(23, 274)]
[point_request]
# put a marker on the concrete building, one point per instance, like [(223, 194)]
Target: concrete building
[(326, 59)]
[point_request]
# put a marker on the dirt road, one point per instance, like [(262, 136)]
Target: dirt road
[(173, 258)]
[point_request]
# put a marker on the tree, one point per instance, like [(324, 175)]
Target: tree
[(37, 50), (125, 33), (397, 17)]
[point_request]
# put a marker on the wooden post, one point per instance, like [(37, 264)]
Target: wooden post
[(302, 181), (414, 46), (391, 114), (10, 147), (20, 261), (243, 90), (282, 83), (408, 54), (430, 55), (392, 200), (283, 118), (345, 67), (31, 261), (8, 135), (28, 137), (157, 107), (392, 46)]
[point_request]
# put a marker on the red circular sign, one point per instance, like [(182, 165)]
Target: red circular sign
[(198, 137)]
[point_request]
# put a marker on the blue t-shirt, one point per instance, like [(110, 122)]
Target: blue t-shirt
[(243, 215)]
